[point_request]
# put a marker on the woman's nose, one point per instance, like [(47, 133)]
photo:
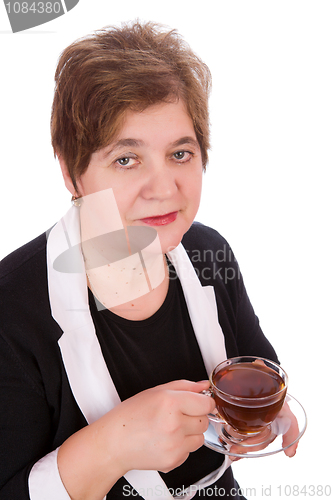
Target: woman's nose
[(160, 182)]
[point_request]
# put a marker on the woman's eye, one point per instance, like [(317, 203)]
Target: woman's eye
[(126, 161), (182, 156)]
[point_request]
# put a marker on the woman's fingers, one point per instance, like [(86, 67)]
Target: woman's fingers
[(292, 433), (194, 404), (185, 396), (184, 385)]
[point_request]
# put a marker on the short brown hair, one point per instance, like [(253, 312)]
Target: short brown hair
[(101, 76)]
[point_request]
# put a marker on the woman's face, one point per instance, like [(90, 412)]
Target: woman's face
[(154, 168)]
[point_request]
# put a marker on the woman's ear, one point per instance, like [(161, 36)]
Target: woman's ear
[(67, 178)]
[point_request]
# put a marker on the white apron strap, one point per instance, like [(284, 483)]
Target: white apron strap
[(202, 309)]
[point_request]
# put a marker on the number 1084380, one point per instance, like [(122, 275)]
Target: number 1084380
[(33, 8)]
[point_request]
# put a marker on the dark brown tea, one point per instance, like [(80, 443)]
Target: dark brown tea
[(252, 395)]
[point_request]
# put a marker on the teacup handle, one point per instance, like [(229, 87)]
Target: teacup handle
[(213, 417)]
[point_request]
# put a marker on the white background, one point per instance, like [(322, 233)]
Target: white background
[(267, 188)]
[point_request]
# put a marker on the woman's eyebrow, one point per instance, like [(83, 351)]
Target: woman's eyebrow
[(123, 143), (185, 140)]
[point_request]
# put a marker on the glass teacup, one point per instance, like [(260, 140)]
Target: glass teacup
[(249, 392)]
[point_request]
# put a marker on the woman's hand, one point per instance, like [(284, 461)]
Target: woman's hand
[(286, 424), (158, 428), (154, 430)]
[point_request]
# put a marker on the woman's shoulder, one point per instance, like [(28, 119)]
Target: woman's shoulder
[(25, 308), (23, 276), (212, 258), (24, 257), (203, 241)]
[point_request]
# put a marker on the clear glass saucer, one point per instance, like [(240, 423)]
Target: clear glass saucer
[(273, 440)]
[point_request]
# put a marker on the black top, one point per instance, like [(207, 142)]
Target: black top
[(37, 409)]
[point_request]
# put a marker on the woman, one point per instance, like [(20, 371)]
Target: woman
[(121, 336)]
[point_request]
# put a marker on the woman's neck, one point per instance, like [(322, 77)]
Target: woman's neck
[(103, 286)]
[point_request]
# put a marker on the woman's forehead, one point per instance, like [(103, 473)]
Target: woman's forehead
[(169, 119)]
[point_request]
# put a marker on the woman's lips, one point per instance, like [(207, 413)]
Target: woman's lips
[(160, 220)]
